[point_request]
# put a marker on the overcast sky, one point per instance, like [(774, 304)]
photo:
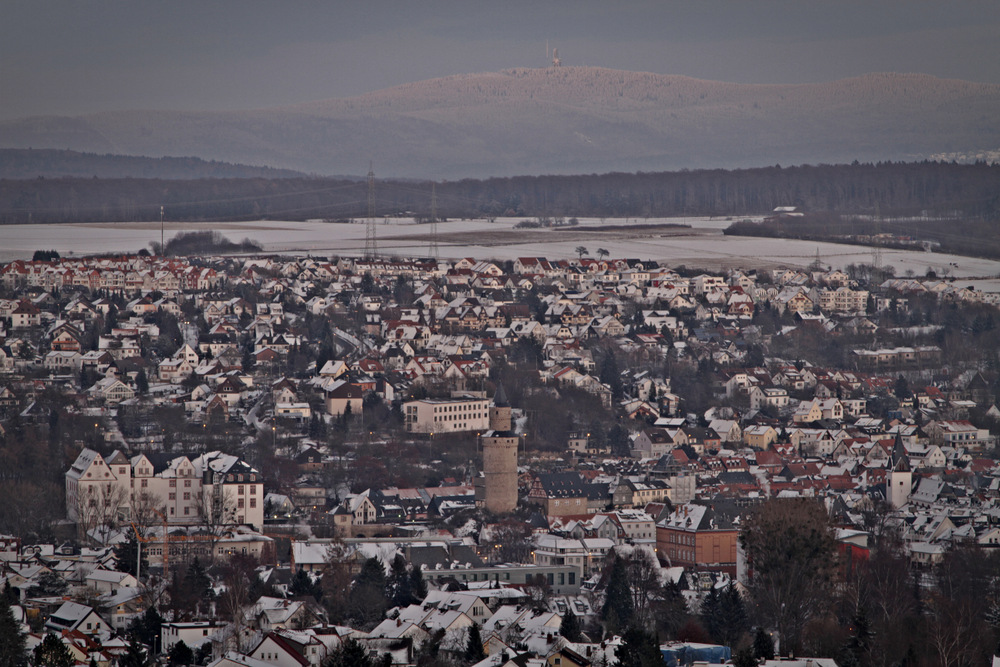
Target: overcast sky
[(68, 57)]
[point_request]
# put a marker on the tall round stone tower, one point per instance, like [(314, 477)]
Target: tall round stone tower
[(500, 458)]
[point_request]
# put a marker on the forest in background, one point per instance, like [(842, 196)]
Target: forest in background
[(949, 232), (930, 189), (25, 163)]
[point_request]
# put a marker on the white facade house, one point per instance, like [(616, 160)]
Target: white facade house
[(179, 487), (192, 633)]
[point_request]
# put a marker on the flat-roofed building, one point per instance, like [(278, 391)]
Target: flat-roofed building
[(447, 415)]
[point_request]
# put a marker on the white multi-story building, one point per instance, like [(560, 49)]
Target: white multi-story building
[(772, 397), (843, 300), (99, 490), (447, 415)]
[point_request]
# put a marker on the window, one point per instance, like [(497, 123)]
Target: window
[(187, 484), (172, 496), (241, 490), (253, 502), (145, 483), (240, 503), (187, 511), (172, 484), (187, 495)]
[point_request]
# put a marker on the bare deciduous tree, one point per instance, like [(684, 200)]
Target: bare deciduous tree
[(100, 510), (146, 509), (235, 603), (511, 541), (216, 511), (644, 580), (791, 546), (336, 580)]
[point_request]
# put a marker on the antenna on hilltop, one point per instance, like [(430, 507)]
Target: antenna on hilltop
[(555, 57), (371, 244)]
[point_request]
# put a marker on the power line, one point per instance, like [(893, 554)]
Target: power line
[(876, 241), (433, 249), (371, 243)]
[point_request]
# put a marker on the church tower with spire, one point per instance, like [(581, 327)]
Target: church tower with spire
[(499, 489), (899, 481)]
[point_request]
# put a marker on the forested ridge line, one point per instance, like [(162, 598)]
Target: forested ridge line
[(28, 163), (913, 188)]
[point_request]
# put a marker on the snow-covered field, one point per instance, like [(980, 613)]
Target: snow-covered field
[(702, 245)]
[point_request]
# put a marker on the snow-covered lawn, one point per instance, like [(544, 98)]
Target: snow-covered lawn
[(703, 245)]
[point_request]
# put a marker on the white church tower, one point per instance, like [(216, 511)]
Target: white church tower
[(899, 481)]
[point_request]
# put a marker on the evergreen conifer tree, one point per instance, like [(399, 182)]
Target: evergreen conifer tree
[(135, 655), (398, 585), (474, 645), (744, 658), (181, 654), (418, 587), (52, 653), (639, 649), (570, 626), (763, 645), (618, 610), (13, 651), (351, 653)]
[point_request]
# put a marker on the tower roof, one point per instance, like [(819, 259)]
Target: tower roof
[(898, 460), (500, 398)]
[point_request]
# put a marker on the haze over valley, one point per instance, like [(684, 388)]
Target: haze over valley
[(559, 120)]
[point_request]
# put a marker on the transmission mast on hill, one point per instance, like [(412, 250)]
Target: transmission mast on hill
[(433, 249), (371, 244), (876, 241), (553, 54)]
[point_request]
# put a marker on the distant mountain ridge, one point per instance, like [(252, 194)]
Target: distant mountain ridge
[(566, 120), (19, 163)]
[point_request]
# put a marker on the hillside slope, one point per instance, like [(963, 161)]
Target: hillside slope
[(19, 163), (559, 120)]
